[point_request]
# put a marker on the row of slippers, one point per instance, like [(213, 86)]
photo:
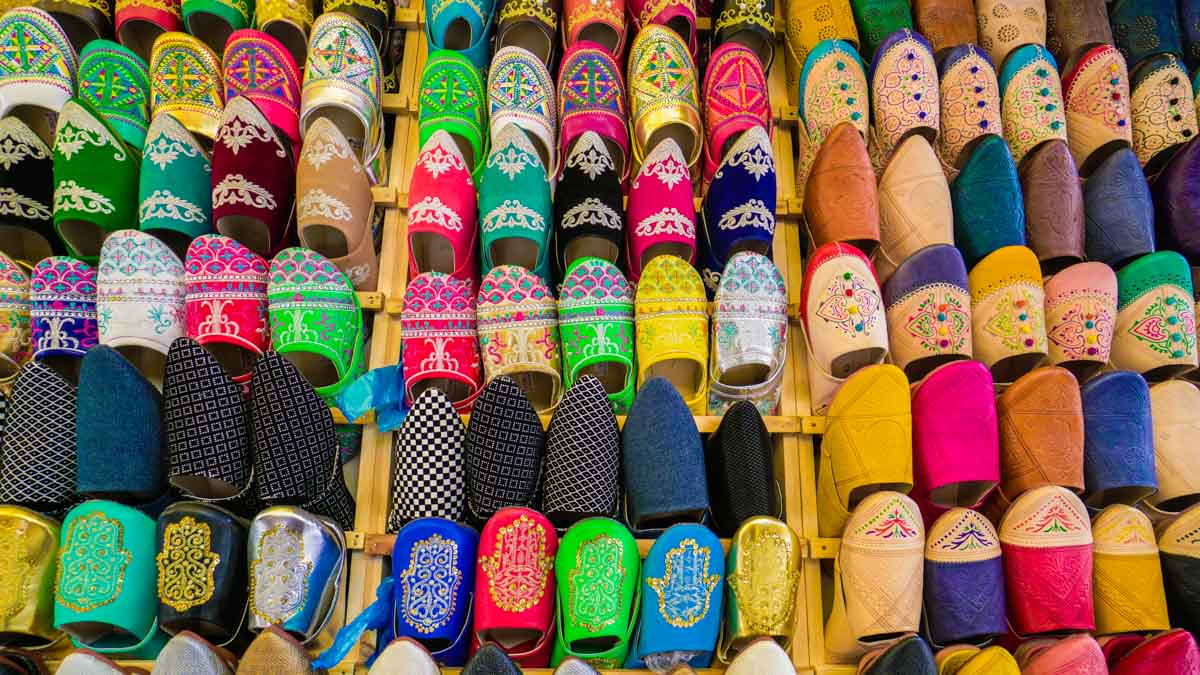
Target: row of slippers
[(1112, 440), (200, 437), (1048, 570), (141, 298), (515, 221), (655, 470), (598, 327), (113, 163)]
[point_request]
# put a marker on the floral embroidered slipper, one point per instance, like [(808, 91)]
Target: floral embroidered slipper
[(521, 93), (739, 209), (1031, 100), (1155, 331), (33, 90), (260, 69), (1008, 325), (174, 185), (1096, 96), (27, 174), (589, 212), (969, 96), (663, 97), (114, 82), (1160, 126), (452, 100), (749, 340), (185, 81), (62, 294), (518, 333), (928, 311), (1081, 306), (343, 82), (514, 206), (442, 208), (671, 314), (595, 321), (904, 94), (662, 214), (226, 303), (439, 348), (591, 97)]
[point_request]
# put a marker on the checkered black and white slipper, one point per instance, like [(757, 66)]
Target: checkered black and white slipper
[(427, 463)]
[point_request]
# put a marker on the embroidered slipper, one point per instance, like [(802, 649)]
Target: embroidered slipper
[(139, 24), (989, 212), (749, 24), (1176, 205), (589, 213), (35, 90), (514, 206), (762, 570), (1007, 318), (1005, 26), (1031, 99), (15, 319), (62, 297), (969, 95), (521, 93), (504, 449), (27, 177), (682, 608), (947, 24), (226, 303), (841, 201), (38, 456), (343, 82), (583, 455), (439, 347), (435, 558), (1054, 208), (663, 106), (442, 208), (334, 207), (956, 450), (1173, 650), (1180, 557), (749, 336), (289, 22), (1119, 211), (427, 463), (1126, 574), (105, 597), (671, 315), (597, 569), (253, 180), (595, 323), (1143, 29), (904, 93), (601, 22), (95, 173), (188, 652), (514, 584), (914, 205), (1155, 332), (405, 656), (464, 28), (287, 538), (1081, 305), (878, 575), (1118, 440), (1173, 404), (964, 581), (878, 19), (1163, 118), (872, 409), (185, 81), (1044, 534), (1096, 94), (843, 318), (194, 533), (678, 17), (662, 213), (174, 185), (33, 624), (518, 334), (259, 68), (452, 100), (1073, 26), (316, 321), (208, 446), (739, 213), (591, 97), (663, 461), (531, 25), (806, 27), (735, 101), (833, 89), (114, 82), (140, 299), (741, 480)]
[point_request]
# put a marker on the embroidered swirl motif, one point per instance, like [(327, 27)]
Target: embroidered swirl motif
[(1032, 106), (685, 586), (594, 583), (1167, 325), (237, 189), (13, 203), (513, 213), (591, 211), (850, 304), (522, 9), (765, 584), (970, 105), (835, 91), (319, 203), (753, 213), (669, 221), (904, 91), (511, 161), (590, 156), (71, 196), (940, 321), (743, 12), (170, 145), (1084, 330), (243, 125), (436, 160), (77, 128), (279, 575), (758, 161), (433, 210), (16, 564), (91, 563), (517, 570), (186, 565), (163, 204), (1162, 111), (429, 585), (319, 150), (18, 143), (1017, 320)]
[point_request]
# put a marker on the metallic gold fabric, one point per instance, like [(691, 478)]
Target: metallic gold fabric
[(28, 555), (763, 570)]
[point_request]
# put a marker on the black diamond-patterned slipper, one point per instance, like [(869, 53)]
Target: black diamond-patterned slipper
[(741, 480), (583, 456), (427, 463), (37, 456), (505, 443)]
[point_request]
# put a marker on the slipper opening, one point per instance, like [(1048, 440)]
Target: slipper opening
[(327, 240), (250, 232), (515, 251), (847, 364), (318, 370), (210, 29), (20, 243), (589, 246), (84, 237), (685, 374), (432, 252)]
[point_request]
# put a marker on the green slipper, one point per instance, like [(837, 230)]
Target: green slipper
[(595, 320), (452, 100), (515, 213)]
